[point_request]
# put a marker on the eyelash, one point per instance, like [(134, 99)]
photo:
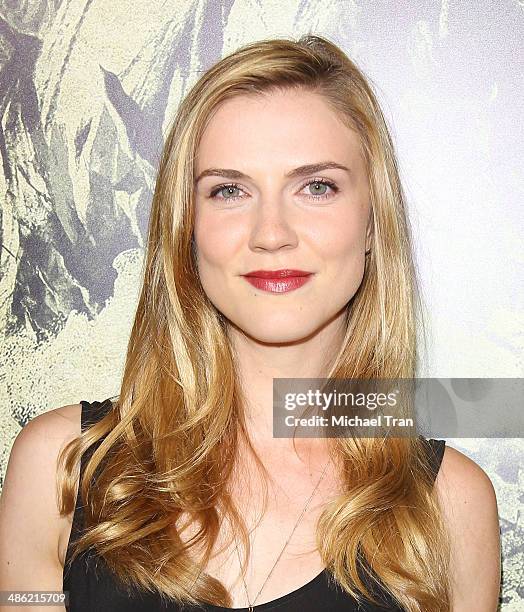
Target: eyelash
[(324, 196)]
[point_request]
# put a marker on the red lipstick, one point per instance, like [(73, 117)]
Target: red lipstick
[(278, 281)]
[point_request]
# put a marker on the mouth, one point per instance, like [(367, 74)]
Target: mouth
[(278, 281)]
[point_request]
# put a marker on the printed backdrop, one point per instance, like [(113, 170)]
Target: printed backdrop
[(87, 91)]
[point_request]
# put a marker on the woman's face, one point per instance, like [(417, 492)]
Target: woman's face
[(258, 207)]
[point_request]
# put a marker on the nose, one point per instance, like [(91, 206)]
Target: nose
[(271, 228)]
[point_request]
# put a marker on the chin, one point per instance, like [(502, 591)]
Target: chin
[(278, 330)]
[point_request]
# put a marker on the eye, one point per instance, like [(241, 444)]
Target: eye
[(321, 187), (323, 184), (228, 190)]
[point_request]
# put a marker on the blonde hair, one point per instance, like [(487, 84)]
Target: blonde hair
[(167, 446)]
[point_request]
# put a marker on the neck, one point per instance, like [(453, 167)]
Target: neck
[(259, 363)]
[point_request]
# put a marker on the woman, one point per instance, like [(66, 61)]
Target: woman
[(279, 159)]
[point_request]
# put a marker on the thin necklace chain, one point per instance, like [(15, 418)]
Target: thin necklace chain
[(251, 604)]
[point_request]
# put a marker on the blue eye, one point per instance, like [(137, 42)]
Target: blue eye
[(318, 184), (322, 183), (228, 190)]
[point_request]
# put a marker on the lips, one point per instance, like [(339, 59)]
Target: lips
[(278, 281), (284, 273)]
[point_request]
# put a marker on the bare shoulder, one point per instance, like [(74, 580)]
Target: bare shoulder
[(39, 442), (62, 421), (469, 505), (30, 523), (464, 487), (457, 470)]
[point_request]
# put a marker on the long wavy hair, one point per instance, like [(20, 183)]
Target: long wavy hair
[(166, 448)]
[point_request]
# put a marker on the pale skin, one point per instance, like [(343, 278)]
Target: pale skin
[(275, 222)]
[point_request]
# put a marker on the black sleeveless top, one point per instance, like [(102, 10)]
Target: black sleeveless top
[(93, 587)]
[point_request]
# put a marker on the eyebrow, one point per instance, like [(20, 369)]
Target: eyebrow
[(300, 171)]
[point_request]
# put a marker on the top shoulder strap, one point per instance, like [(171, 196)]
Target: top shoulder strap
[(435, 452), (91, 413)]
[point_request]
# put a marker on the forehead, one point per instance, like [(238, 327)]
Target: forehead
[(286, 127)]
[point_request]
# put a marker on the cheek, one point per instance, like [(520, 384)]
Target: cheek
[(341, 248), (340, 240), (217, 241)]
